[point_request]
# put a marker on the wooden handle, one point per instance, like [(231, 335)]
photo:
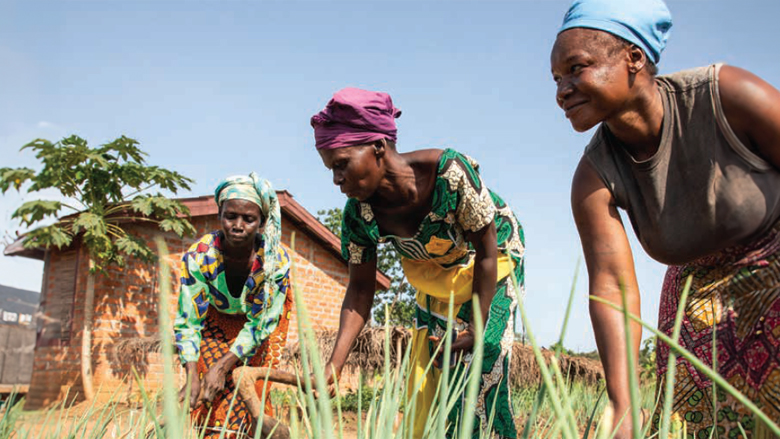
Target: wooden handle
[(254, 374)]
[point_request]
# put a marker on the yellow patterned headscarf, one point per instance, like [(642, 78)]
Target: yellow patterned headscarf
[(259, 191)]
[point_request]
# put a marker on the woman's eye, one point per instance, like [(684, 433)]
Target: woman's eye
[(576, 68)]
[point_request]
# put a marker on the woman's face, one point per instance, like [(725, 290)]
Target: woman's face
[(591, 73), (357, 170), (240, 220)]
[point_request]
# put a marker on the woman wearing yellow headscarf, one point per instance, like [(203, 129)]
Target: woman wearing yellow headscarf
[(234, 303)]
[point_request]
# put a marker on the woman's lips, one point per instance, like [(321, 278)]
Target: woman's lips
[(572, 108)]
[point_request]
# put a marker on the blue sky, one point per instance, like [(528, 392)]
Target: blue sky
[(218, 88)]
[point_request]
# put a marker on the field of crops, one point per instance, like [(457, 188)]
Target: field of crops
[(555, 408)]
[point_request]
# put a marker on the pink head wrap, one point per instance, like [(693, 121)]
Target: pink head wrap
[(355, 117)]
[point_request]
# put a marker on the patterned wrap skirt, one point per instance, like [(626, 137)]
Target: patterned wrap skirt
[(734, 299), (218, 333), (493, 399)]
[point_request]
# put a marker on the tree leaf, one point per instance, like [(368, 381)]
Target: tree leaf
[(48, 236), (99, 179), (14, 177), (135, 247), (89, 223), (33, 211)]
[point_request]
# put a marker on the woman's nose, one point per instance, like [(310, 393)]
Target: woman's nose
[(563, 91), (337, 178)]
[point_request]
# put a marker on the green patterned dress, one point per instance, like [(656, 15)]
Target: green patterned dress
[(438, 261)]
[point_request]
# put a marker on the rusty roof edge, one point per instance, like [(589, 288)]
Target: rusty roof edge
[(17, 248), (317, 229), (205, 205)]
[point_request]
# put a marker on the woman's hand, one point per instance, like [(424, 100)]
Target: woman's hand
[(332, 373), (214, 380), (213, 383), (194, 382), (462, 343)]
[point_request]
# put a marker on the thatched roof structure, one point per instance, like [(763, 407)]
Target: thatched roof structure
[(368, 355)]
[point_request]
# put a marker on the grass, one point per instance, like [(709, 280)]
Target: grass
[(555, 409)]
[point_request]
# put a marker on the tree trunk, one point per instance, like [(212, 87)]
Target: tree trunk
[(86, 335)]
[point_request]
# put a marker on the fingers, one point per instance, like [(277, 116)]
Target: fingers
[(208, 394), (462, 344), (194, 398)]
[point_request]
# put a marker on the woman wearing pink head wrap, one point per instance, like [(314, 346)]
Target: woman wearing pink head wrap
[(456, 238)]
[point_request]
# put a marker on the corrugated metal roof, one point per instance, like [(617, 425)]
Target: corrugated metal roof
[(18, 300)]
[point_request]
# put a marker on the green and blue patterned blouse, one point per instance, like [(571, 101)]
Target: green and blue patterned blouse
[(203, 283)]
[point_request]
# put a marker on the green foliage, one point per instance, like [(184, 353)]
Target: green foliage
[(331, 219), (367, 396), (14, 177), (33, 211), (566, 409), (400, 296), (591, 355), (109, 186), (647, 366), (12, 406)]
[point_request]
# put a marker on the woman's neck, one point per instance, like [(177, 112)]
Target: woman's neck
[(238, 253), (639, 125), (399, 184)]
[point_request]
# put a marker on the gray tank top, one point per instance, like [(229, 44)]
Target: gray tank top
[(703, 190)]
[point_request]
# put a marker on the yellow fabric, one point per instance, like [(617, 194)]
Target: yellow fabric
[(430, 279)]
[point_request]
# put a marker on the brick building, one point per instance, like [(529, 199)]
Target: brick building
[(126, 306)]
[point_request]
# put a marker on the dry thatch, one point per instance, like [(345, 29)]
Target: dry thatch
[(369, 353), (135, 351), (525, 371)]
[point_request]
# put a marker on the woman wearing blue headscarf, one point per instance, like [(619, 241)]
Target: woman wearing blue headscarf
[(234, 303), (694, 159)]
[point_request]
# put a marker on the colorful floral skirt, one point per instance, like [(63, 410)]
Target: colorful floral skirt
[(735, 299), (218, 333)]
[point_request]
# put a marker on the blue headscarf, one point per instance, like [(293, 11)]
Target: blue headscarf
[(259, 191), (645, 23)]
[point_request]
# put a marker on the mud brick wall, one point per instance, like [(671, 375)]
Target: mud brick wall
[(126, 313)]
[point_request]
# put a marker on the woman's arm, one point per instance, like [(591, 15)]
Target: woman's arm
[(752, 108), (355, 312), (193, 305), (262, 320), (485, 266), (610, 272)]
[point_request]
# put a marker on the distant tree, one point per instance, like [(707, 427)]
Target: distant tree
[(109, 187), (400, 296), (331, 219), (558, 347), (647, 365)]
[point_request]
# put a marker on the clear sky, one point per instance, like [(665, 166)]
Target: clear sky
[(214, 88)]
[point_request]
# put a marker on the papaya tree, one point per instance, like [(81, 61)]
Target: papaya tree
[(102, 190)]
